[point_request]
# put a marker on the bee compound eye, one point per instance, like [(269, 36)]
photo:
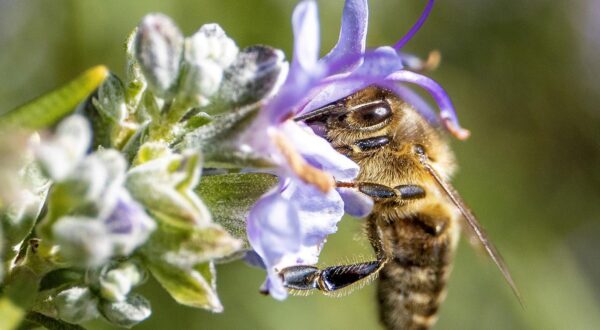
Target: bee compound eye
[(372, 114)]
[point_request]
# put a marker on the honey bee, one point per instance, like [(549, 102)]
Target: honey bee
[(405, 165)]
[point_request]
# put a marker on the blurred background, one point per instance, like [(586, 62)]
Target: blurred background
[(525, 79)]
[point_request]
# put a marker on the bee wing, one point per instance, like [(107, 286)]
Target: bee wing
[(474, 225)]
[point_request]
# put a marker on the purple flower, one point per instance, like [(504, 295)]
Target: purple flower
[(88, 241), (289, 225)]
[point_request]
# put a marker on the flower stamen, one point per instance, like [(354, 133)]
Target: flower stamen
[(306, 172)]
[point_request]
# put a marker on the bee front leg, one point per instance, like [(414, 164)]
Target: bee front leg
[(303, 277)]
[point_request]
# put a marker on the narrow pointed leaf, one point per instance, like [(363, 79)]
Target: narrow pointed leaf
[(49, 108)]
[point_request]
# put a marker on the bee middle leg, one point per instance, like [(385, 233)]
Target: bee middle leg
[(379, 191), (304, 277)]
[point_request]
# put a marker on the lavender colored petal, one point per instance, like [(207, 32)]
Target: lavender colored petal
[(289, 226), (252, 258), (415, 100), (319, 214), (439, 95), (353, 33), (274, 285), (305, 23), (331, 92), (274, 227), (318, 152), (376, 65), (379, 62), (356, 203), (415, 28)]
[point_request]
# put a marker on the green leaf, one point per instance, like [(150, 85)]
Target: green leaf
[(179, 255), (49, 108), (229, 197), (194, 287), (184, 245), (164, 185), (219, 140)]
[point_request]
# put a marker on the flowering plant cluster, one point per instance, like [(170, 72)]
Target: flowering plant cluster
[(192, 158)]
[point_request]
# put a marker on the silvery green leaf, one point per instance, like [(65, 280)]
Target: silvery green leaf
[(183, 246), (164, 186), (107, 111), (219, 143), (76, 305), (150, 151), (230, 197), (18, 221), (135, 83), (254, 75), (207, 53), (49, 108), (126, 313), (19, 215), (59, 154), (110, 99), (179, 256), (195, 287), (158, 49)]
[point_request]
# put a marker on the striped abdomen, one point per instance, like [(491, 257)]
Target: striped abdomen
[(419, 252)]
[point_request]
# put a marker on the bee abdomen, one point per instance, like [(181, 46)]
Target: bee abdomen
[(412, 284), (409, 297)]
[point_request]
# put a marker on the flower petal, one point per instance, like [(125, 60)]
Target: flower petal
[(411, 97), (305, 23), (439, 95), (353, 33), (376, 65), (356, 203), (318, 152), (274, 227)]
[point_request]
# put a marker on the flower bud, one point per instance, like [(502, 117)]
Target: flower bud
[(116, 284), (256, 72), (158, 49), (59, 154), (83, 241), (111, 99), (126, 313), (207, 53), (76, 305), (88, 242)]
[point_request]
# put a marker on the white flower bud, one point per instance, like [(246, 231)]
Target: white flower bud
[(76, 305), (207, 53), (60, 154), (158, 48), (116, 284), (127, 313)]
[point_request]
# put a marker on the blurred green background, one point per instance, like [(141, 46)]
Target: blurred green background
[(524, 78)]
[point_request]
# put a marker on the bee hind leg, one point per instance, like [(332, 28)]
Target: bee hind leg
[(304, 277)]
